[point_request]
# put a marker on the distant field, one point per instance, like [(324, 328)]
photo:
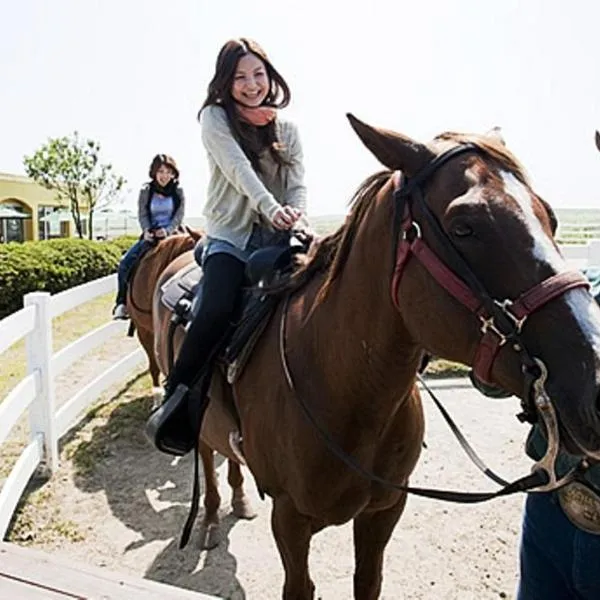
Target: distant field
[(583, 218), (578, 215), (324, 224)]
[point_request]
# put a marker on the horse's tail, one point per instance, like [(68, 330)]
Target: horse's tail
[(131, 329)]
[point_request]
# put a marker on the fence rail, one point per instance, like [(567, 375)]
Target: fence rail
[(582, 255), (578, 233), (35, 393)]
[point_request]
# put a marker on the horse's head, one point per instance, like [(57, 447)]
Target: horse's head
[(486, 284)]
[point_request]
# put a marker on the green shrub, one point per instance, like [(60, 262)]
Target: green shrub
[(124, 242), (52, 266)]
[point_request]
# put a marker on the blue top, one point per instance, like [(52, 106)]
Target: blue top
[(161, 211)]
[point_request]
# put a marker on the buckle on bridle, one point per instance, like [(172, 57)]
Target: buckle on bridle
[(489, 324), (505, 307), (413, 228)]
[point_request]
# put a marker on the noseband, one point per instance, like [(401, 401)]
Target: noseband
[(501, 321)]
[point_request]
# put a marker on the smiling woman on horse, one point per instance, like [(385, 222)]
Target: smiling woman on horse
[(255, 195), (161, 207)]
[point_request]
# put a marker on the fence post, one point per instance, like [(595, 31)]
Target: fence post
[(594, 253), (39, 358)]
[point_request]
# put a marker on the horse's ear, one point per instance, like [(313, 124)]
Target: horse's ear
[(495, 134), (551, 216), (597, 140), (392, 149)]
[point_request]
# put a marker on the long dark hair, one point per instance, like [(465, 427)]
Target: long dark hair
[(252, 139)]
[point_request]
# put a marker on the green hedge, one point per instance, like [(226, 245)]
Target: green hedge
[(54, 266)]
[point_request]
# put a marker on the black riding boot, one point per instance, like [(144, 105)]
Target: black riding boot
[(175, 426)]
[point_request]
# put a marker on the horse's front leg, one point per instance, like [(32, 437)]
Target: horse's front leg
[(209, 534), (372, 532), (240, 503), (292, 532)]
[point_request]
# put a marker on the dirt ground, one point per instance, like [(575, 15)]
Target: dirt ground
[(117, 503)]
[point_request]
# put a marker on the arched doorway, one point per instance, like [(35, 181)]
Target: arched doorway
[(15, 221)]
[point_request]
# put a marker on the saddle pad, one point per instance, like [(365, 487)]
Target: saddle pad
[(182, 284)]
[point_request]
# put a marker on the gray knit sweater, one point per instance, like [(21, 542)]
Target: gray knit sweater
[(238, 196)]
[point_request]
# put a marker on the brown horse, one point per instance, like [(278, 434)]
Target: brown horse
[(140, 292), (422, 263), (139, 304)]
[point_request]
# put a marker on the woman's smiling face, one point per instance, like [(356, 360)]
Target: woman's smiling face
[(250, 83)]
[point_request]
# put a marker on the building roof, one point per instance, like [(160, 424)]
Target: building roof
[(15, 177)]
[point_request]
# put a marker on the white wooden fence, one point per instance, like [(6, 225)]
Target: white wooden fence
[(582, 255), (36, 391)]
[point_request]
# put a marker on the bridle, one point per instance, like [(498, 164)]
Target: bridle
[(501, 324), (501, 320)]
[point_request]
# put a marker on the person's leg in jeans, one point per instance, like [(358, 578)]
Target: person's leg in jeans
[(223, 278), (547, 551), (125, 266)]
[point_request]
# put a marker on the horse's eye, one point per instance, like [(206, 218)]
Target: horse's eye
[(461, 230)]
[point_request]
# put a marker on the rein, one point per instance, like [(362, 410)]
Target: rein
[(501, 323), (541, 477)]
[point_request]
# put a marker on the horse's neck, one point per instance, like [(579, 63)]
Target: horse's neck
[(357, 330)]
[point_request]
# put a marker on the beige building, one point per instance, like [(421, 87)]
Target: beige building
[(28, 211)]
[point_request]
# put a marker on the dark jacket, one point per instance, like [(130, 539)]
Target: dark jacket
[(144, 216)]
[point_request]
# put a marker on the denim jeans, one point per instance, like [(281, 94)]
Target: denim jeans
[(559, 561), (129, 259)]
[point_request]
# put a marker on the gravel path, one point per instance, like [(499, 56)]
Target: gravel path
[(117, 503)]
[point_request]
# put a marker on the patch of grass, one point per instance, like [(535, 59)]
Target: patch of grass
[(439, 368), (119, 416), (11, 450), (38, 520), (67, 530), (65, 329)]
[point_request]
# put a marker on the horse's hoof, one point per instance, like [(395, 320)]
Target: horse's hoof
[(209, 536), (242, 509)]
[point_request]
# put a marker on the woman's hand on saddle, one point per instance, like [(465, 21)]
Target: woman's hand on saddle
[(148, 235), (285, 218), (160, 234)]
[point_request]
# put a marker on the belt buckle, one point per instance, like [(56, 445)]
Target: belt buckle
[(581, 505)]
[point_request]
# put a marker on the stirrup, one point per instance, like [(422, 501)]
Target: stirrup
[(120, 312), (169, 428)]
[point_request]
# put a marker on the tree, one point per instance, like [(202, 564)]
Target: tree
[(71, 167)]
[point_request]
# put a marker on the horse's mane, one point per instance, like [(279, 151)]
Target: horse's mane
[(333, 250)]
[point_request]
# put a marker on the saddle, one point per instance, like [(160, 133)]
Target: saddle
[(182, 295)]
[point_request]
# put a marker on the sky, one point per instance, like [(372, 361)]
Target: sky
[(132, 75)]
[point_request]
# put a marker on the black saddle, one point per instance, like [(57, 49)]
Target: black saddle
[(170, 427), (182, 293)]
